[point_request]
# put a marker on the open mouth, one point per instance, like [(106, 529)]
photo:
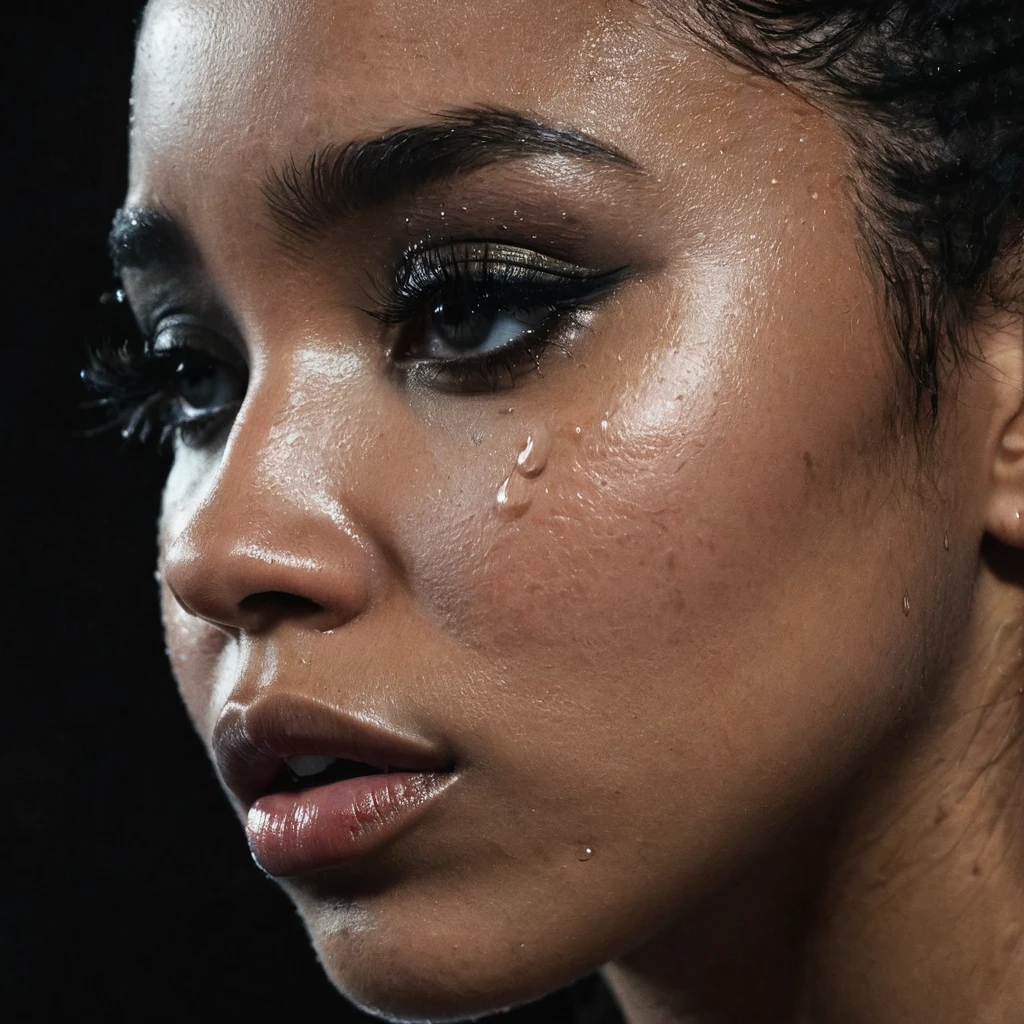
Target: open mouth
[(309, 771)]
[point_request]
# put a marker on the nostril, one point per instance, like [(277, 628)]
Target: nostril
[(278, 602)]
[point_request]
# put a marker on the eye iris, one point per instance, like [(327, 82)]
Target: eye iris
[(463, 322), (482, 322), (200, 387)]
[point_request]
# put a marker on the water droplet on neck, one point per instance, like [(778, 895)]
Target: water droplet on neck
[(945, 541), (584, 852), (906, 604)]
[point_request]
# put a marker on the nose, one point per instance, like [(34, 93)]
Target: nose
[(253, 554)]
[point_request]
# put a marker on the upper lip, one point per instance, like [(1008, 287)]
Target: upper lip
[(252, 741)]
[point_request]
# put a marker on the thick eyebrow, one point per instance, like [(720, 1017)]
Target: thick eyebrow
[(337, 181), (140, 238)]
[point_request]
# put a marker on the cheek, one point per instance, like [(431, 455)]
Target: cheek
[(724, 573)]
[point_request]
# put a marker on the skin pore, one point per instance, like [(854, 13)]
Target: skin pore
[(730, 668)]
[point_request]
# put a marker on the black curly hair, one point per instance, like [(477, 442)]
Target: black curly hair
[(931, 95)]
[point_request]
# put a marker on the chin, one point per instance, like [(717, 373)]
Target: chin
[(419, 983), (425, 969)]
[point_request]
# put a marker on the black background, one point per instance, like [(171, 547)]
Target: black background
[(129, 891)]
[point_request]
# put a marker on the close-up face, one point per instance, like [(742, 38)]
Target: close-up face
[(538, 446)]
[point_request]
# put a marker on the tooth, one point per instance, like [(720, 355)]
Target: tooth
[(309, 764)]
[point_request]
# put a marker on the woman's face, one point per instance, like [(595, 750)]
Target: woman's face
[(682, 619)]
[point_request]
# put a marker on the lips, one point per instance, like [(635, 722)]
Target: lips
[(322, 788)]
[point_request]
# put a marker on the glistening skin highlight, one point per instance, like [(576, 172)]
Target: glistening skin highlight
[(535, 469)]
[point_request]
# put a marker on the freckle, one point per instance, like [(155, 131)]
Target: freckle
[(941, 815), (808, 461), (976, 870)]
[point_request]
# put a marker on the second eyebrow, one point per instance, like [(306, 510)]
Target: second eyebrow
[(335, 182)]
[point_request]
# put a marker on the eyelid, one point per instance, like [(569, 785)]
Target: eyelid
[(181, 330), (427, 269)]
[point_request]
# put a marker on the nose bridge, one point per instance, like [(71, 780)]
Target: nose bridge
[(271, 537)]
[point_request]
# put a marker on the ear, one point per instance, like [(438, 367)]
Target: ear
[(1003, 354)]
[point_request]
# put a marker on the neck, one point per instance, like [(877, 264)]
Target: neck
[(905, 902)]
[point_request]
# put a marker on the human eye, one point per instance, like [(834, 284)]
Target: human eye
[(473, 316), (177, 382)]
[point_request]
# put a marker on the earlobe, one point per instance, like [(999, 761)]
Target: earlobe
[(1005, 518)]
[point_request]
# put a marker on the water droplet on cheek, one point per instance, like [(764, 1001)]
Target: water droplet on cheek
[(584, 852), (513, 497), (534, 457), (516, 490)]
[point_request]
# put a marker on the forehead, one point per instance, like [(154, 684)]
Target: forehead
[(230, 69)]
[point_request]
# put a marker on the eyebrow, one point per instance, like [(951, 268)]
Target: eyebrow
[(140, 238), (338, 181)]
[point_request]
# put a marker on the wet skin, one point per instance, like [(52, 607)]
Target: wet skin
[(727, 581)]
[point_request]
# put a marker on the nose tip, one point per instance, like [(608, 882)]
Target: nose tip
[(246, 587)]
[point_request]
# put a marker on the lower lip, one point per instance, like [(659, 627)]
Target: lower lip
[(291, 833)]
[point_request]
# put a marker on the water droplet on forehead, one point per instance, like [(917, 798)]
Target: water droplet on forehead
[(584, 852)]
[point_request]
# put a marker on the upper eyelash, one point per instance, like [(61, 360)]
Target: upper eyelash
[(131, 382), (426, 272)]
